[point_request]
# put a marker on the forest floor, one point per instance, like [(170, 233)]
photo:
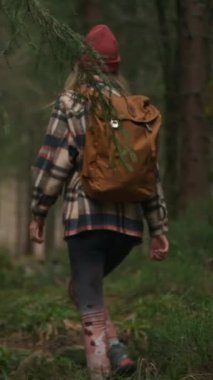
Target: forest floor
[(163, 312)]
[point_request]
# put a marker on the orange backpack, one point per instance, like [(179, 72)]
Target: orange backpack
[(120, 153)]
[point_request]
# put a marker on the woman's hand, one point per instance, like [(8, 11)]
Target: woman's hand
[(37, 230), (159, 247)]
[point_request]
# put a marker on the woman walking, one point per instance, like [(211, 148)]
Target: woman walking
[(99, 234)]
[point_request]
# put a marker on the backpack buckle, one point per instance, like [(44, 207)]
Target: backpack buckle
[(114, 123)]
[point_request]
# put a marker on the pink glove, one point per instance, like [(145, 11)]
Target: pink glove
[(159, 247)]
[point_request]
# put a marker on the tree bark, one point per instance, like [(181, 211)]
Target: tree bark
[(20, 223), (50, 235), (194, 75), (28, 247), (170, 52), (89, 11)]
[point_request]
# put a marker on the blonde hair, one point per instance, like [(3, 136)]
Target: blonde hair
[(78, 77)]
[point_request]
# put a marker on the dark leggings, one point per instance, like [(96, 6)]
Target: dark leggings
[(93, 255)]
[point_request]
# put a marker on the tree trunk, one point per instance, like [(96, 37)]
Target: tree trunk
[(50, 235), (92, 11), (170, 52), (25, 176), (194, 69), (89, 11), (28, 247), (20, 223)]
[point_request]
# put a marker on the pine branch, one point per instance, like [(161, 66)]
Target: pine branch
[(22, 13), (66, 47)]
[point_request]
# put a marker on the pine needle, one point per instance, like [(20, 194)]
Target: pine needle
[(33, 23)]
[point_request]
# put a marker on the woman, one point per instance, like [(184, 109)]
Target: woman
[(99, 235)]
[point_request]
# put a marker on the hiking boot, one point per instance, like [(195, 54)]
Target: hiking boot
[(121, 364)]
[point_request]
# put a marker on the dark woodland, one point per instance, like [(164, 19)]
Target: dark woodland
[(164, 311)]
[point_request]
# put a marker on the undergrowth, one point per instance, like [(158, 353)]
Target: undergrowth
[(163, 311)]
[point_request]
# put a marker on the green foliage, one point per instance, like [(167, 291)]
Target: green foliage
[(37, 366), (49, 36), (173, 333), (163, 312), (54, 33), (8, 362), (33, 312), (10, 275), (26, 274), (36, 307)]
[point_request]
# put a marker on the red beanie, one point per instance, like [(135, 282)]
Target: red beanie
[(103, 41)]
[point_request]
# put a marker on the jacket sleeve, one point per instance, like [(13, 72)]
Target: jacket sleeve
[(155, 212), (54, 162)]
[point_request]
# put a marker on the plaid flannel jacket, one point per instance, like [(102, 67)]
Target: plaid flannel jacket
[(57, 169)]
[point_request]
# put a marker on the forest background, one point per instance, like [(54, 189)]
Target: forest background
[(167, 54)]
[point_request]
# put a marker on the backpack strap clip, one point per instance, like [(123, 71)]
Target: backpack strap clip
[(114, 124)]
